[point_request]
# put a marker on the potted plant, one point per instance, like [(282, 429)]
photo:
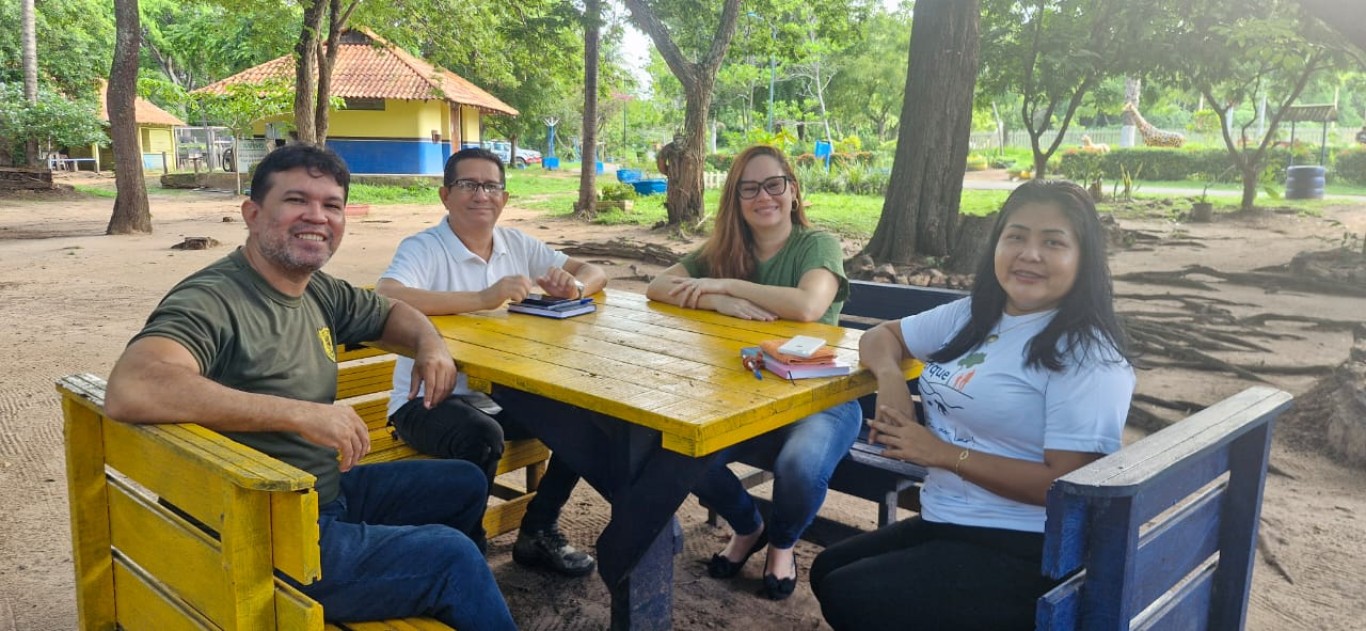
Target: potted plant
[(1202, 211)]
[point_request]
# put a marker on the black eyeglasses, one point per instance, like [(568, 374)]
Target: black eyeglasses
[(470, 186), (775, 186)]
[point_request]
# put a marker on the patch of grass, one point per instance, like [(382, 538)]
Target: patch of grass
[(97, 190), (383, 195)]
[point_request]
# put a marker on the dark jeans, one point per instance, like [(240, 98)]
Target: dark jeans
[(916, 574), (802, 456), (457, 430), (396, 543)]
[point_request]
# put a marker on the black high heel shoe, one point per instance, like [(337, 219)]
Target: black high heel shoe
[(721, 567), (780, 588)]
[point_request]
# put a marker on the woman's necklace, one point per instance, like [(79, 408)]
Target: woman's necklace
[(996, 335)]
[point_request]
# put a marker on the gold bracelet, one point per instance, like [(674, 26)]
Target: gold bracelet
[(959, 463)]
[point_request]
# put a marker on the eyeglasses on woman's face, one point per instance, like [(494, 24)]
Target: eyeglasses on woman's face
[(469, 187), (774, 186)]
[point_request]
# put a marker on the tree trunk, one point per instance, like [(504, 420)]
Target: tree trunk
[(30, 55), (131, 213), (921, 210), (306, 71), (684, 202), (588, 192), (327, 60), (1250, 180)]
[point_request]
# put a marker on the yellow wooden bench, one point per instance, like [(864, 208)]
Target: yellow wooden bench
[(141, 565)]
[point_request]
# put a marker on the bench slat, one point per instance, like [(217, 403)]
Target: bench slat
[(1180, 543), (142, 605), (294, 610), (185, 560), (1187, 608), (369, 378)]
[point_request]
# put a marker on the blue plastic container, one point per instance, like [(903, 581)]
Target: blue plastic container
[(651, 187), (599, 167), (551, 164), (627, 176)]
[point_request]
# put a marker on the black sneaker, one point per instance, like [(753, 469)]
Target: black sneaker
[(549, 548)]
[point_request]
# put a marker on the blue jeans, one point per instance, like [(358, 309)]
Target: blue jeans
[(803, 455), (395, 543)]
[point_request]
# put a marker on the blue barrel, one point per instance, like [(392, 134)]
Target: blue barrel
[(551, 163), (1304, 182), (626, 176)]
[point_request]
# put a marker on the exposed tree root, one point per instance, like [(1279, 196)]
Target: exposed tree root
[(623, 249), (1271, 281)]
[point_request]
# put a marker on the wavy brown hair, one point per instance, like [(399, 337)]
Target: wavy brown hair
[(729, 253)]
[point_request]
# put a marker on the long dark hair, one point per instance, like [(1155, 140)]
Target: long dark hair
[(1086, 315), (729, 253)]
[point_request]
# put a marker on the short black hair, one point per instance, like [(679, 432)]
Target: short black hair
[(1086, 315), (318, 160), (472, 153)]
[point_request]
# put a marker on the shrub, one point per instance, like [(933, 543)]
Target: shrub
[(718, 162), (616, 191), (1351, 165), (977, 163), (1157, 163)]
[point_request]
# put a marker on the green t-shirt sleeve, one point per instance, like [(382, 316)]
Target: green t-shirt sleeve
[(357, 315), (195, 318), (692, 262), (821, 250)]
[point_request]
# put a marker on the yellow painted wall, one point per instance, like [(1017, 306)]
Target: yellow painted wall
[(158, 140), (469, 121), (399, 119)]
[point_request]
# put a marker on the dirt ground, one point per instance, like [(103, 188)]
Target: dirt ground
[(70, 298)]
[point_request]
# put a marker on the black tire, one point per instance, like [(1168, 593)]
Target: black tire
[(520, 163), (226, 160)]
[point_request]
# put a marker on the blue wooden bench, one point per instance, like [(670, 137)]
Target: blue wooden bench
[(1162, 534), (864, 472)]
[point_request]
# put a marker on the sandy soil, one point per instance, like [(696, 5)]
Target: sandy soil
[(70, 297)]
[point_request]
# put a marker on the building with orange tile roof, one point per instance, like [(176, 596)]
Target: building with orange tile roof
[(156, 135), (401, 114)]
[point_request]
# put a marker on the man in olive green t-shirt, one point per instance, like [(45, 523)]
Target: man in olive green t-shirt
[(247, 347)]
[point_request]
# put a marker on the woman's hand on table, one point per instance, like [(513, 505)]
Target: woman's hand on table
[(689, 291), (741, 308)]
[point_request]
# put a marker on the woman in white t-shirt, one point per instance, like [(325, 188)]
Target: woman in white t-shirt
[(1025, 381)]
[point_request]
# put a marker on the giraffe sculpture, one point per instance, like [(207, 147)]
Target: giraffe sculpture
[(1152, 136)]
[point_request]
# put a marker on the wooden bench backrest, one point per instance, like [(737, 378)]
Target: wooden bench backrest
[(258, 515), (869, 301), (1162, 534), (364, 380)]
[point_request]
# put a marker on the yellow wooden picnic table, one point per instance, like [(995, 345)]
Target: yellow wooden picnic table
[(638, 395)]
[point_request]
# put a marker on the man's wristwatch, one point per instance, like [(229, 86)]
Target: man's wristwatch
[(578, 284)]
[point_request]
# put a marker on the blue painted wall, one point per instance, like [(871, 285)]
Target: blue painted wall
[(409, 157)]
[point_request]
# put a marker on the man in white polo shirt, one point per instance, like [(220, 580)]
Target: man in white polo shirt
[(468, 263)]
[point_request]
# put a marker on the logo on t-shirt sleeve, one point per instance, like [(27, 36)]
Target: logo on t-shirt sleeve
[(325, 337)]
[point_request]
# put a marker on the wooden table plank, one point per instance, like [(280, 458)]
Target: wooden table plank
[(655, 365)]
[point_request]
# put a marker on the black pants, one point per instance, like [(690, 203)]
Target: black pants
[(919, 575), (457, 430)]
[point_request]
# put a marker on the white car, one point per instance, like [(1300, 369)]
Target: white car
[(503, 149)]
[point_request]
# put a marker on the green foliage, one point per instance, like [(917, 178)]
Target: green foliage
[(1351, 165), (616, 191), (53, 121), (718, 161), (977, 162), (75, 44), (193, 43), (1160, 163), (241, 105)]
